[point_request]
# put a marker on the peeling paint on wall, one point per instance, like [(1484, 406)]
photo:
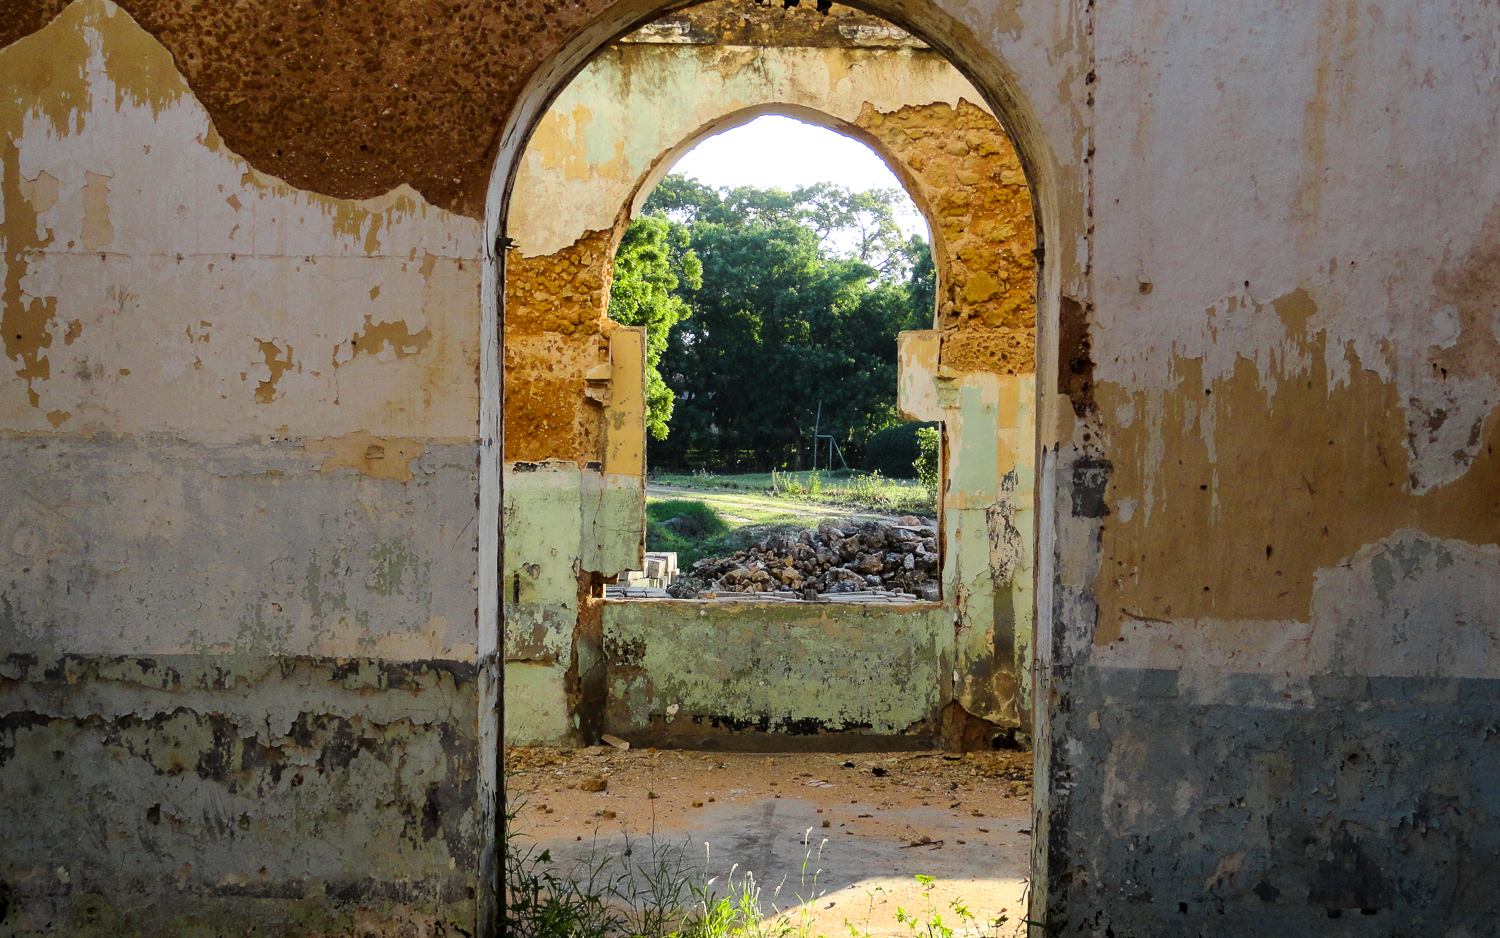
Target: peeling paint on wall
[(798, 670), (1246, 528), (131, 227), (377, 457), (236, 792)]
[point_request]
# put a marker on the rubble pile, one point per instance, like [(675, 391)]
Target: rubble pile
[(838, 557)]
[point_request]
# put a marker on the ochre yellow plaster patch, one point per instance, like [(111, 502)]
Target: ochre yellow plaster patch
[(265, 392), (23, 318), (370, 455), (396, 336), (1295, 482), (559, 141)]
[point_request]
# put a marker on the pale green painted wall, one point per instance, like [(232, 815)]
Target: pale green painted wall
[(878, 669)]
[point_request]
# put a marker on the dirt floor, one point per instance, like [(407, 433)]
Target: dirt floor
[(832, 840)]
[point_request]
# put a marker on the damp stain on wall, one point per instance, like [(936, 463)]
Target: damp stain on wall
[(236, 786)]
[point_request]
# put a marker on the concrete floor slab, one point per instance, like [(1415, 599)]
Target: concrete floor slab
[(720, 817)]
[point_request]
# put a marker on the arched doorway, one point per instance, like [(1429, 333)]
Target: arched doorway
[(572, 269)]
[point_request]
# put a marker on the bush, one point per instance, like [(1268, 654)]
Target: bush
[(707, 520), (683, 526), (893, 451), (868, 489), (928, 462)]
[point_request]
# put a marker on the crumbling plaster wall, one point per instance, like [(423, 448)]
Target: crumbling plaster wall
[(607, 139), (1248, 143), (1278, 502), (238, 675)]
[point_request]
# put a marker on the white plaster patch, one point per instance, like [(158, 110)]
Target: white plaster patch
[(1408, 605), (1414, 606), (1445, 419)]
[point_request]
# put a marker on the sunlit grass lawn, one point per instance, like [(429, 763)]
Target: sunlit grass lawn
[(841, 488), (732, 525)]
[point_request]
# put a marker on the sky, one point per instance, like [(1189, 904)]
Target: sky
[(755, 154)]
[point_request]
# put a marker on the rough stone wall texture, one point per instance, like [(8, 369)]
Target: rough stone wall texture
[(555, 332), (971, 180), (726, 22)]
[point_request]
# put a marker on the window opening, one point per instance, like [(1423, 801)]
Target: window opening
[(772, 296)]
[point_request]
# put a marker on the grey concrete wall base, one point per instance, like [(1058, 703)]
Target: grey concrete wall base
[(1229, 804), (274, 795)]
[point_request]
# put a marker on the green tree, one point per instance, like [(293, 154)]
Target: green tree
[(921, 287), (864, 221), (652, 262), (800, 297)]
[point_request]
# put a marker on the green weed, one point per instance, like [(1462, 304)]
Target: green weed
[(796, 485), (868, 489)]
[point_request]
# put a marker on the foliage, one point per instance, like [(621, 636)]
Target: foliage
[(867, 488), (928, 464), (684, 526), (782, 320), (538, 902), (921, 287), (893, 452), (795, 486), (652, 262), (704, 517)]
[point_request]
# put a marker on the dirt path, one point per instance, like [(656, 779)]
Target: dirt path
[(833, 840), (727, 503)]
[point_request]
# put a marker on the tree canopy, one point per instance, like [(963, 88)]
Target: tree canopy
[(652, 263), (765, 304)]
